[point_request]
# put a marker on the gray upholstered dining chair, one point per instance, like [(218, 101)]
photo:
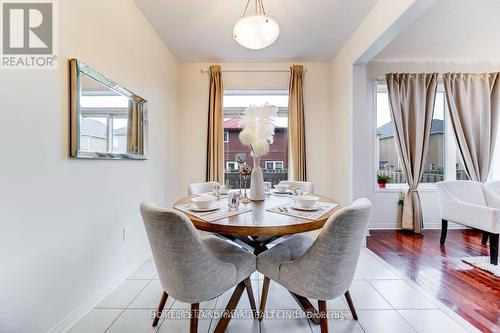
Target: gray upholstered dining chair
[(321, 269), (306, 186), (200, 188), (194, 269)]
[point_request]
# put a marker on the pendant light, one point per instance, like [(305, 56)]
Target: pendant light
[(256, 31)]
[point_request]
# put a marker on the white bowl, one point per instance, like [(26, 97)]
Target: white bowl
[(281, 187), (204, 201), (306, 201)]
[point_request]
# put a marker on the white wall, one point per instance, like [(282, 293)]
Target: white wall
[(60, 218), (193, 98), (384, 22), (385, 203)]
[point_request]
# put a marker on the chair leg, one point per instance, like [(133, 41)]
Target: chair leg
[(323, 318), (193, 323), (493, 249), (484, 240), (444, 230), (158, 312), (351, 305), (251, 298), (263, 299), (307, 307), (231, 305)]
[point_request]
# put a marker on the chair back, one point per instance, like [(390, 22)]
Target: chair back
[(331, 261), (185, 268), (492, 194), (464, 190), (494, 187), (306, 186), (199, 188)]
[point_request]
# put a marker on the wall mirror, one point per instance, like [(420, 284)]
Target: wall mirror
[(108, 121)]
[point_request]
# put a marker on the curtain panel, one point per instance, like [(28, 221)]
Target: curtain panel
[(296, 126), (412, 98), (474, 107), (215, 145), (134, 129)]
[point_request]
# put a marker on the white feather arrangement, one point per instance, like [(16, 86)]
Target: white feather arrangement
[(258, 130)]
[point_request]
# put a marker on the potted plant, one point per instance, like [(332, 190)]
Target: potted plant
[(382, 180)]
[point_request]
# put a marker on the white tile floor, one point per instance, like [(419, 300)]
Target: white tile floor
[(385, 303)]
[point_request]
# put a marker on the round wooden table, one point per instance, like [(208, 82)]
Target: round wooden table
[(259, 227)]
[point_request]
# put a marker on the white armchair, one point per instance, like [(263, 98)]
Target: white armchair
[(466, 203), (493, 188)]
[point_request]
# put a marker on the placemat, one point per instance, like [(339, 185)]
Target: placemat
[(286, 209), (215, 215)]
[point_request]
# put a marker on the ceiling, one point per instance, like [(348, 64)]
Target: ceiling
[(450, 29), (201, 30)]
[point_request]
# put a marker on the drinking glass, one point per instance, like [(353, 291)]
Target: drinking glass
[(216, 191), (298, 191), (233, 201), (267, 187)]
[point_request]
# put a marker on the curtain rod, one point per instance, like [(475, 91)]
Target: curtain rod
[(204, 70)]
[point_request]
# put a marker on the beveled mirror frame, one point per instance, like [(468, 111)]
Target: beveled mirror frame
[(77, 68)]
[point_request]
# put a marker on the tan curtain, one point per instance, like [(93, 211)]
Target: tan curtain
[(296, 126), (474, 106), (412, 99), (215, 145), (134, 129)]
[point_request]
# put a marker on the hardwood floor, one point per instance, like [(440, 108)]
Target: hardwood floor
[(472, 293)]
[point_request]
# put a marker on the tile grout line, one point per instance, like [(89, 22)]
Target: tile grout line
[(128, 303)]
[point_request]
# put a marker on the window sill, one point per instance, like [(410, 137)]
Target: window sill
[(393, 188)]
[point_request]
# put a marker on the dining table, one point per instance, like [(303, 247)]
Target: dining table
[(261, 223)]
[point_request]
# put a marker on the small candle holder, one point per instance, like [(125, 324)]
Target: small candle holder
[(241, 159), (245, 172)]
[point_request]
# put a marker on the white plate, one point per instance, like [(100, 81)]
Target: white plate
[(285, 192), (209, 209), (310, 209)]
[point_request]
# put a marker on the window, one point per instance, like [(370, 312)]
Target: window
[(274, 165), (104, 120), (231, 166), (234, 104), (103, 133), (441, 161)]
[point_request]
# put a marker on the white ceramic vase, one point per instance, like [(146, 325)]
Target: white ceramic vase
[(257, 190)]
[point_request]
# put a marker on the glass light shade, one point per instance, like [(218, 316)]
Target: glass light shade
[(256, 32)]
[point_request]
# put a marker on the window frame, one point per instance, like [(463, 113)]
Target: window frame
[(274, 165), (226, 137), (231, 163), (110, 131), (448, 142)]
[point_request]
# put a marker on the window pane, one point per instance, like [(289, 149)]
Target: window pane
[(434, 161), (234, 104), (93, 134), (388, 158), (120, 135)]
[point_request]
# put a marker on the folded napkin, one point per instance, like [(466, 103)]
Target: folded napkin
[(214, 215), (287, 209)]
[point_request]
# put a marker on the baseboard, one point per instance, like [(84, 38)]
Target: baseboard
[(74, 316), (430, 224)]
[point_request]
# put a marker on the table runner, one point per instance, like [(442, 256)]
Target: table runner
[(286, 209), (215, 215)]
